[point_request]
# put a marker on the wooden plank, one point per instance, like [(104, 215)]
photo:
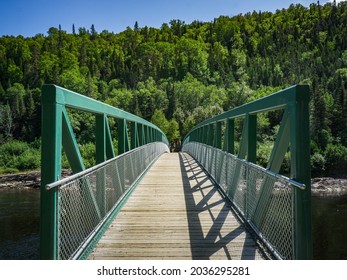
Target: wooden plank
[(176, 213)]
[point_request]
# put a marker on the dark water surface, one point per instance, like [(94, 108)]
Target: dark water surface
[(19, 226), (329, 219)]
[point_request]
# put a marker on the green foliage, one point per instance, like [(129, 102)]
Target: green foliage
[(189, 72), (29, 160), (173, 133), (19, 155), (159, 120), (10, 150), (6, 122), (336, 159), (88, 154), (317, 165), (263, 153), (8, 170), (170, 128)]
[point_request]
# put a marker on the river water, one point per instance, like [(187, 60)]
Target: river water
[(19, 226)]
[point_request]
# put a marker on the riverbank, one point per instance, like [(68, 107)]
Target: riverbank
[(328, 186), (323, 186), (30, 179), (26, 180)]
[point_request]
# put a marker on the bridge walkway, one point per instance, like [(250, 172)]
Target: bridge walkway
[(176, 212)]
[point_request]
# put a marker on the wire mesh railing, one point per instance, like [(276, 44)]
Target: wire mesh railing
[(87, 199), (264, 199)]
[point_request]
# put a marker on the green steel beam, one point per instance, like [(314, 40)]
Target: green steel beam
[(252, 138), (100, 138), (83, 103), (218, 135), (100, 149), (281, 144), (140, 132), (294, 130), (301, 171), (211, 134), (57, 133), (271, 102), (244, 139), (229, 140), (50, 172), (109, 143), (70, 145), (274, 164), (134, 137), (123, 140)]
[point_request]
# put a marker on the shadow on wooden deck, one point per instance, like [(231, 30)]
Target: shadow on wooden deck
[(221, 231)]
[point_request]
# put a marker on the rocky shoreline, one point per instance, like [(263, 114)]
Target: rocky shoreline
[(328, 186), (26, 180), (323, 186)]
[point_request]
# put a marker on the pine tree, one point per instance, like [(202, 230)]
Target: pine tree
[(136, 27)]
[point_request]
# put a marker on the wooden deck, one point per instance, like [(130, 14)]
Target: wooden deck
[(176, 213)]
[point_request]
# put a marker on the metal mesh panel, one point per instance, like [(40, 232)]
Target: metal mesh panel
[(264, 199), (85, 200)]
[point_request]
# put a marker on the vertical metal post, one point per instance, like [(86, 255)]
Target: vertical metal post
[(203, 135), (251, 157), (52, 108), (147, 135), (200, 134), (141, 133), (252, 138), (218, 137), (230, 136), (100, 139), (211, 135), (100, 149), (123, 141), (301, 171), (133, 135)]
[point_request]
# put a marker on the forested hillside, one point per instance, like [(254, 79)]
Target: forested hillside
[(180, 74)]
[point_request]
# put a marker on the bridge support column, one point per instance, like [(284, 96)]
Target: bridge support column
[(52, 112), (229, 136), (301, 171)]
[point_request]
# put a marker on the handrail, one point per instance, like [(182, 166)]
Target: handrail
[(57, 134), (293, 133), (82, 215), (272, 174), (87, 171)]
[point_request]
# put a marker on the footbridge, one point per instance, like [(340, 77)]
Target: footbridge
[(209, 201)]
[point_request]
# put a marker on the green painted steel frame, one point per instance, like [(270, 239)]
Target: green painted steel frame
[(57, 134), (293, 132)]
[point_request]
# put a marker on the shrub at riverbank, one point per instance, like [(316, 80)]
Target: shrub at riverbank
[(17, 156)]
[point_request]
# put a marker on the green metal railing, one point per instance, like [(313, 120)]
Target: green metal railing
[(82, 214), (57, 134), (277, 208)]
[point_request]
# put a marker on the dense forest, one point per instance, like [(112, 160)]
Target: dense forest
[(180, 74)]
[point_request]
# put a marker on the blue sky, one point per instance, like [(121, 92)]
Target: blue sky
[(30, 17)]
